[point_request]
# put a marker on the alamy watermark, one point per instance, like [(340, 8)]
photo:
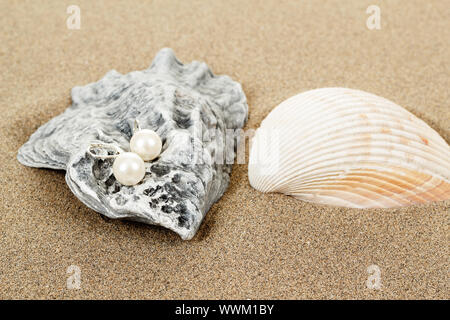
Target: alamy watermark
[(217, 146), (198, 145), (73, 22), (373, 22), (74, 279), (374, 279)]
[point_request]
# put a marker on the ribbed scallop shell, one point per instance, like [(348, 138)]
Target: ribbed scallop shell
[(349, 148)]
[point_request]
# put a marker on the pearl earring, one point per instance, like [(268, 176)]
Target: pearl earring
[(128, 168), (145, 142)]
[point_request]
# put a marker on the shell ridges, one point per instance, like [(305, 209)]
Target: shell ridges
[(349, 148)]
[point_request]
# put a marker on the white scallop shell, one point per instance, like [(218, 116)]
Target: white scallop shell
[(349, 148)]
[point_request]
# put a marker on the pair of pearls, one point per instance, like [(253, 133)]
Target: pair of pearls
[(129, 167)]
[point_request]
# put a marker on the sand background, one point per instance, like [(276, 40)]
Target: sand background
[(250, 245)]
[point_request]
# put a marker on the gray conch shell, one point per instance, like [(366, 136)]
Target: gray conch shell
[(195, 113)]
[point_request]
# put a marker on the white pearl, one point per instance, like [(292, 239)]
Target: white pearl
[(129, 168), (146, 143)]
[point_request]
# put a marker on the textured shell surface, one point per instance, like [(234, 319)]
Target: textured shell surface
[(350, 148), (182, 104)]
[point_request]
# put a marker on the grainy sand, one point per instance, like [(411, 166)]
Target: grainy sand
[(250, 245)]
